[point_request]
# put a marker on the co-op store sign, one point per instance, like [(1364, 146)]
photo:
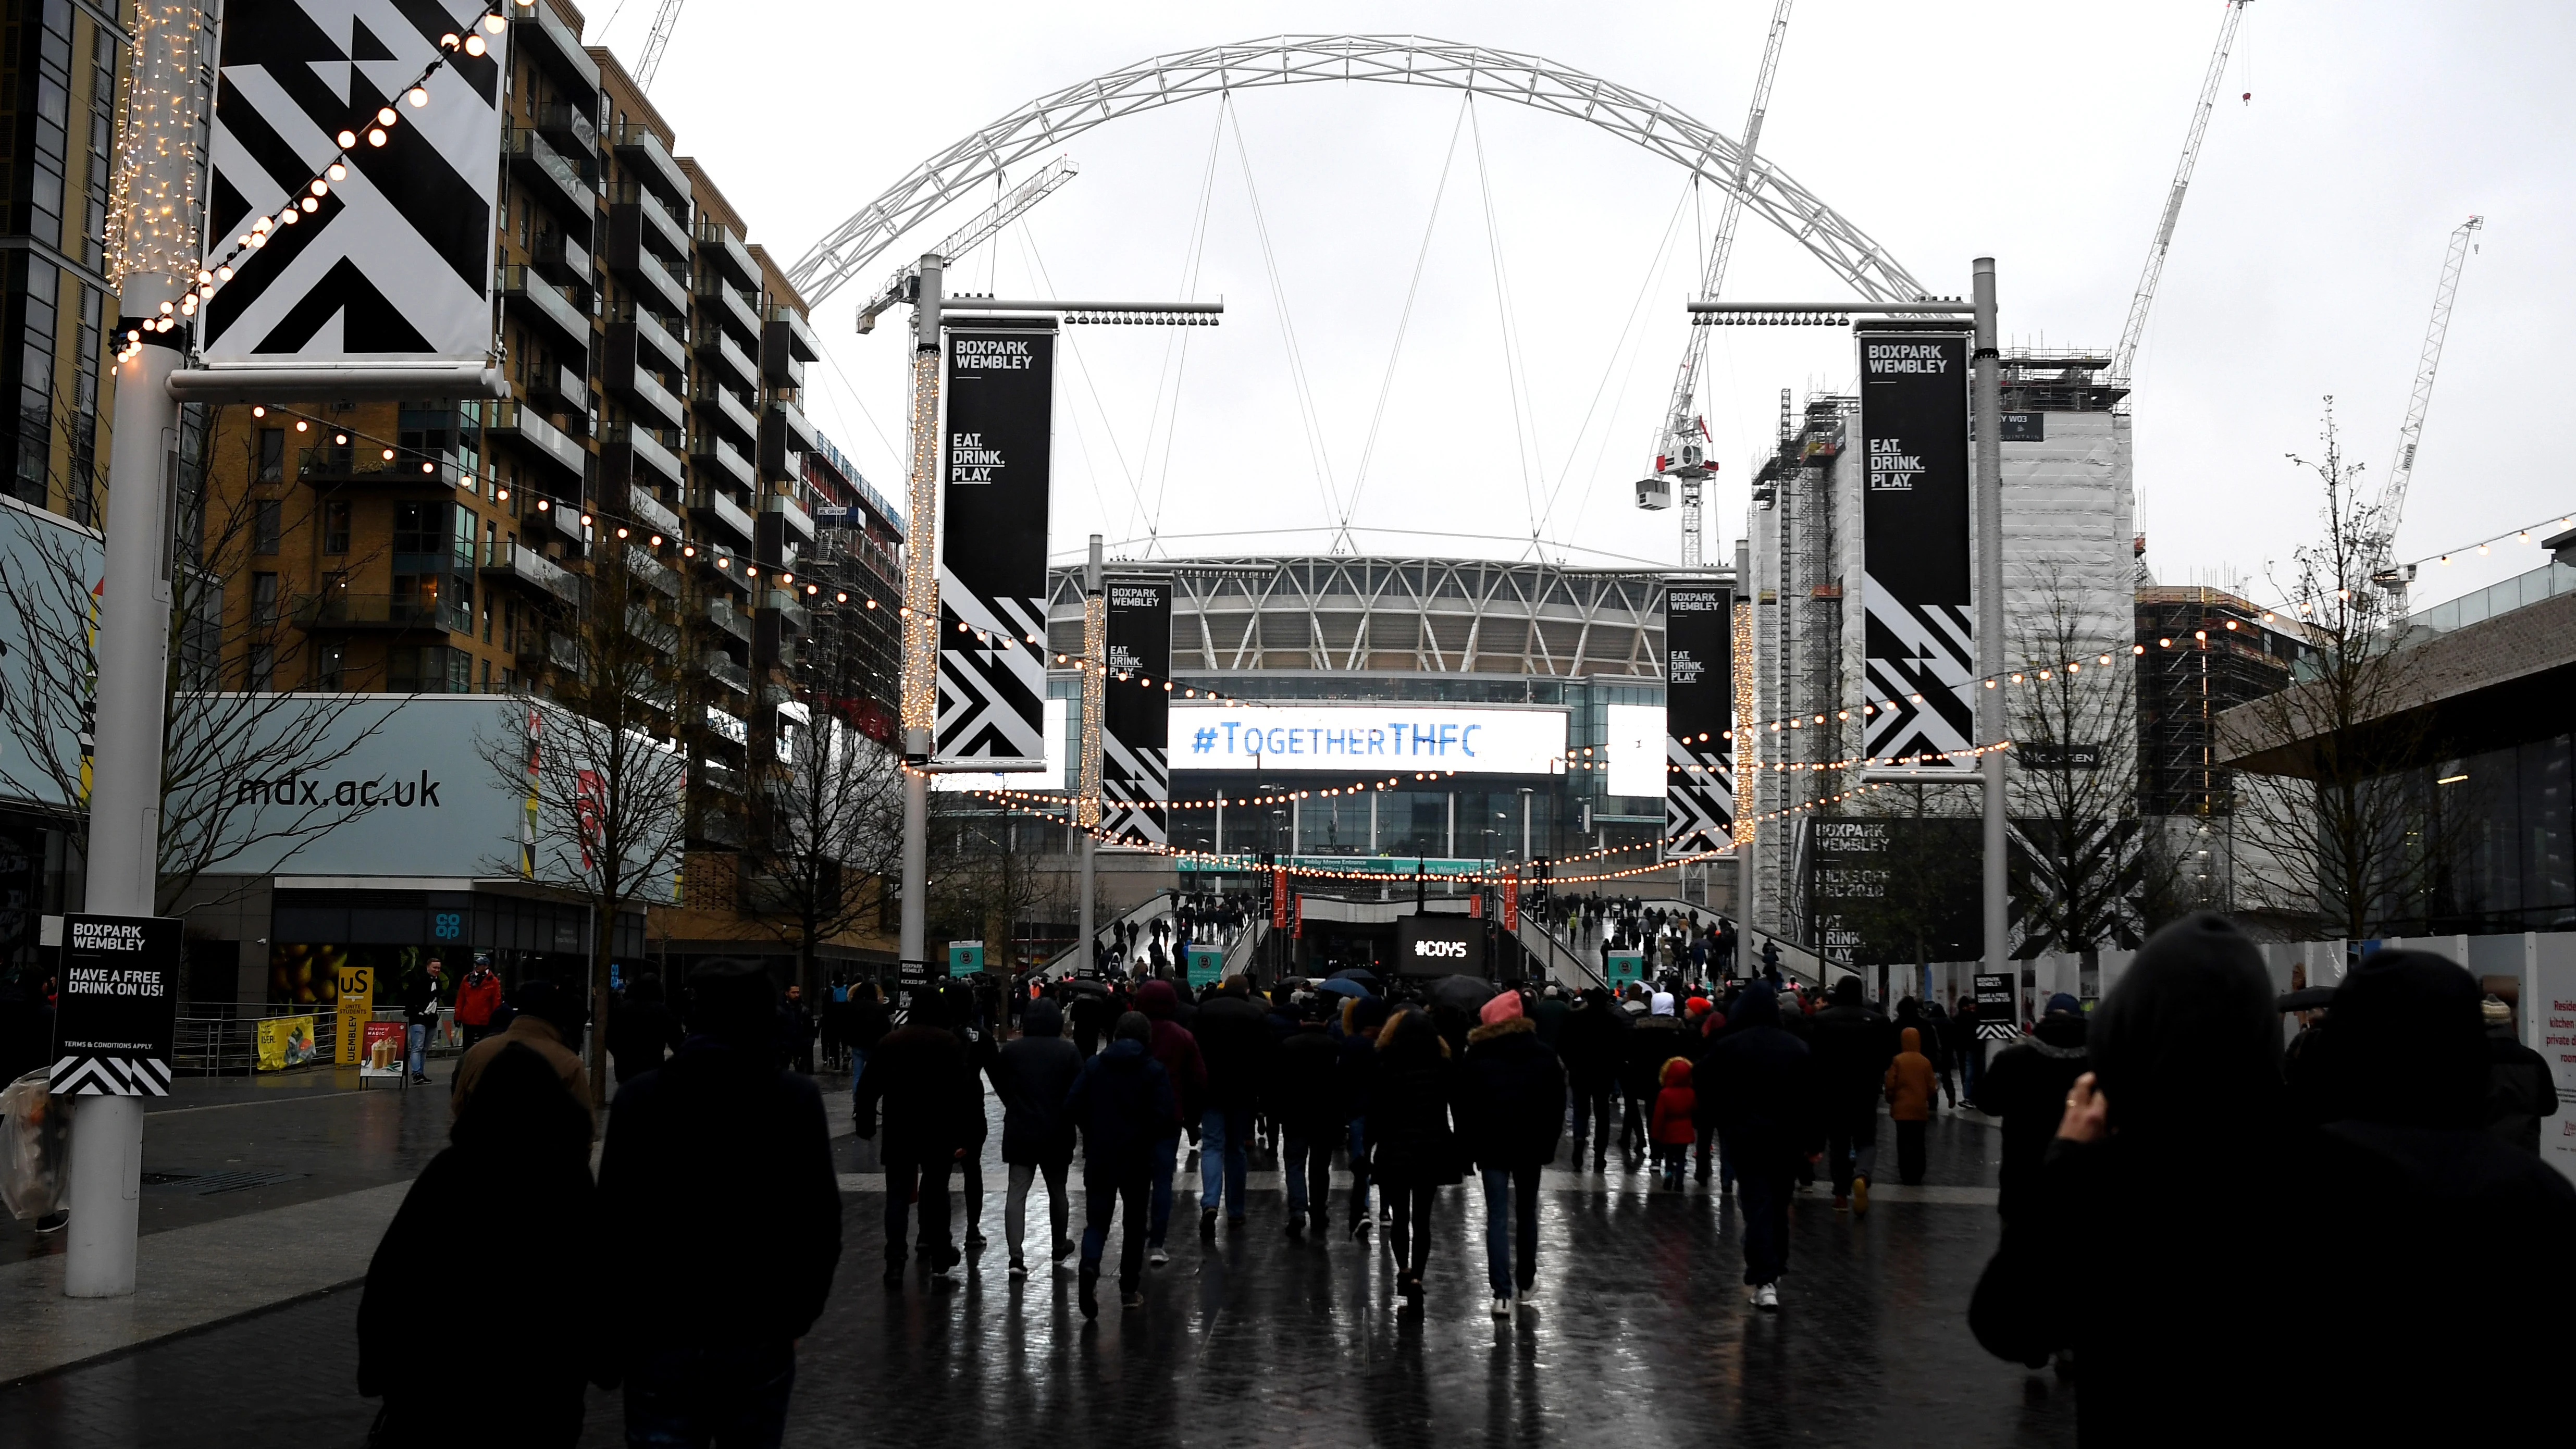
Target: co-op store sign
[(1361, 739)]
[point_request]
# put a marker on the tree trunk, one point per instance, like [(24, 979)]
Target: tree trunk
[(603, 931)]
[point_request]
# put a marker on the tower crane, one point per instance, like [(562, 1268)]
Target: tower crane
[(2146, 297), (666, 15), (1681, 437), (2392, 498)]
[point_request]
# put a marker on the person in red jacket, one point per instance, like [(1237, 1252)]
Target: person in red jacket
[(1671, 1130), (477, 997)]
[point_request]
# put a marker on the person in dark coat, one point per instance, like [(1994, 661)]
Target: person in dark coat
[(1853, 1044), (1511, 1111), (722, 1133), (1413, 1146), (1235, 1041), (1550, 1014), (1592, 1045), (642, 1029), (918, 1080), (2519, 1089), (2027, 1087), (1305, 1099), (1090, 1013), (1172, 1045), (1763, 1080), (519, 1159), (1120, 1102), (962, 1013), (1654, 1039), (1033, 1075), (869, 1021), (2141, 1241), (1355, 1073)]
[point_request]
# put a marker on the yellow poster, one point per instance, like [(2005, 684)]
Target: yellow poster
[(356, 986), (286, 1041)]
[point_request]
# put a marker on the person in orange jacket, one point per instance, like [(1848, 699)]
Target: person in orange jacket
[(1671, 1130), (1910, 1084)]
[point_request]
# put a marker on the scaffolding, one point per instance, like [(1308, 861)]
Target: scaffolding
[(2205, 652)]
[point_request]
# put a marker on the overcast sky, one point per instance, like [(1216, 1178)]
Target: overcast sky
[(2044, 133)]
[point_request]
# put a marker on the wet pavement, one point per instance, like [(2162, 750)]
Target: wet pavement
[(1640, 1335)]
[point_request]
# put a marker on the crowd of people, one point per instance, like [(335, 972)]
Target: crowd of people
[(2178, 1193)]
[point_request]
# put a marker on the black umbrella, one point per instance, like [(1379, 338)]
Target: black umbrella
[(1360, 974), (1463, 993), (1087, 986)]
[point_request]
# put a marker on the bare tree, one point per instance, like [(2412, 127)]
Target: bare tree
[(825, 833), (605, 820), (2333, 834), (2072, 774), (231, 757)]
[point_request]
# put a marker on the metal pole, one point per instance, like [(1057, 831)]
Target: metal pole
[(921, 617), (155, 258), (1990, 604), (1095, 669)]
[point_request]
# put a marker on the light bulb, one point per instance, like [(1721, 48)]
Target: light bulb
[(389, 455), (339, 172), (321, 188), (495, 24), (346, 139), (259, 412), (301, 425), (340, 439), (474, 45), (386, 116), (307, 204), (376, 136), (224, 273), (418, 96)]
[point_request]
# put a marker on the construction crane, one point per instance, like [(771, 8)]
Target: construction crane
[(664, 17), (2392, 498), (1681, 440), (975, 233), (2146, 297)]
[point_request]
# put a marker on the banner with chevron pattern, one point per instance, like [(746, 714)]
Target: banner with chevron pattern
[(394, 261), (1920, 650), (992, 546), (117, 1017), (1699, 718), (1136, 713)]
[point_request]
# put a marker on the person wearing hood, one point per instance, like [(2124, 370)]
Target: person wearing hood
[(1654, 1038), (1910, 1085), (1033, 1075), (2519, 1091), (918, 1078), (1672, 1128), (1853, 1045), (1173, 1045), (1305, 1099), (1355, 1076), (1550, 1014), (723, 1132), (519, 1155), (2145, 1237), (1123, 1104), (1764, 1082), (1593, 1044), (1511, 1108), (2026, 1090), (1413, 1144), (548, 1017)]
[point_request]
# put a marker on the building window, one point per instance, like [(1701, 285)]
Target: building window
[(420, 528), (272, 455), (460, 672), (264, 528), (334, 663), (335, 527), (259, 671), (263, 600), (487, 672)]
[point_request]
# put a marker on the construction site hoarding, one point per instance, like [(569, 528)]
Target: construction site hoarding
[(998, 438), (1136, 714), (1699, 718), (1920, 649)]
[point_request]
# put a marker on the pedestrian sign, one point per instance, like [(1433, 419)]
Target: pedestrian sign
[(965, 957), (1205, 965), (1626, 967)]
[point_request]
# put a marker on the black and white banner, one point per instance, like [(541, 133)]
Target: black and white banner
[(118, 1015), (1136, 713), (1699, 718), (992, 546), (393, 263), (1921, 637)]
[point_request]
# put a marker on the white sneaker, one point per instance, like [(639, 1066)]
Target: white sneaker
[(1502, 1308), (1158, 1257), (1767, 1298), (1526, 1298)]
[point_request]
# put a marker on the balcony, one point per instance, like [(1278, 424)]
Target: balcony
[(641, 624), (721, 668), (783, 431), (732, 312), (387, 613), (542, 440), (714, 825), (790, 510), (662, 344), (640, 455), (660, 285), (652, 511), (723, 570), (722, 778), (726, 251), (641, 217), (562, 260), (565, 519), (561, 387), (641, 153), (348, 466), (657, 576), (559, 181), (786, 345), (733, 366), (789, 609), (723, 457), (624, 376), (535, 30), (569, 127), (543, 305), (732, 418), (733, 621), (525, 564), (729, 518)]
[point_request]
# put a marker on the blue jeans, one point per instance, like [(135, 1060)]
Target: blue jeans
[(416, 1043), (1224, 1134), (1166, 1155), (735, 1396), (1521, 1183)]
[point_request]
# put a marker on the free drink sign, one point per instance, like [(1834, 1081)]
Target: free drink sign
[(119, 1010)]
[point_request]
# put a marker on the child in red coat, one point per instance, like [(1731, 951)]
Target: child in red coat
[(1671, 1129)]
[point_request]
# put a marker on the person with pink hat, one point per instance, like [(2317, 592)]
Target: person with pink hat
[(1511, 1108)]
